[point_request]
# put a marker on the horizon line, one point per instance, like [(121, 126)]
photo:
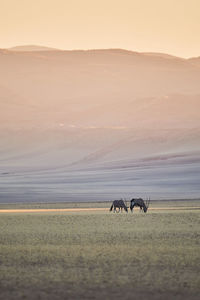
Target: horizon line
[(92, 49)]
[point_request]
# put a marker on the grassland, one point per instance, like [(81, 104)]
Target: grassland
[(59, 205), (95, 255)]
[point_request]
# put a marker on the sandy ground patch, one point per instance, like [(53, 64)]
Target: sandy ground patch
[(86, 209)]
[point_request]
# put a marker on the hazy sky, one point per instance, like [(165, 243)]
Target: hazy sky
[(170, 26)]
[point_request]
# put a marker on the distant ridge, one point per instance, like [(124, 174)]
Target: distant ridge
[(31, 48), (162, 55), (195, 60), (34, 48)]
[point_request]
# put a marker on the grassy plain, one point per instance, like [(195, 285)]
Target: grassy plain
[(96, 255)]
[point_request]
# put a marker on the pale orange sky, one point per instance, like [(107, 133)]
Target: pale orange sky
[(169, 26)]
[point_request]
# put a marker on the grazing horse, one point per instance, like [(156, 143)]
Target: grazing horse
[(118, 204), (139, 202)]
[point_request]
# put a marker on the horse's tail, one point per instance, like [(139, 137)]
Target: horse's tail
[(111, 207)]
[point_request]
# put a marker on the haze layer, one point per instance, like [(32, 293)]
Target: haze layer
[(98, 125)]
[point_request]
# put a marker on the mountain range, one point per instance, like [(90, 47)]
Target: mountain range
[(98, 125)]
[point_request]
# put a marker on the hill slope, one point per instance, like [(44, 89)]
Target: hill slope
[(98, 124)]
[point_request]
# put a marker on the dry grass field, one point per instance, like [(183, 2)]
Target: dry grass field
[(98, 254)]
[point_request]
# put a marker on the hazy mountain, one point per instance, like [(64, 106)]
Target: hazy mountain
[(162, 55), (195, 61), (31, 48), (98, 124), (71, 84)]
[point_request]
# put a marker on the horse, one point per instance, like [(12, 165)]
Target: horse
[(118, 204), (139, 202)]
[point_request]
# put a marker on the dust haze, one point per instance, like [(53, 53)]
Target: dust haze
[(98, 125)]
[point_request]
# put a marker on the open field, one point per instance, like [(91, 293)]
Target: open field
[(97, 254)]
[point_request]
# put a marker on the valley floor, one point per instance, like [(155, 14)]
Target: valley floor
[(97, 254)]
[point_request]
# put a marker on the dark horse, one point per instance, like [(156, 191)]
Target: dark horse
[(139, 202), (118, 204)]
